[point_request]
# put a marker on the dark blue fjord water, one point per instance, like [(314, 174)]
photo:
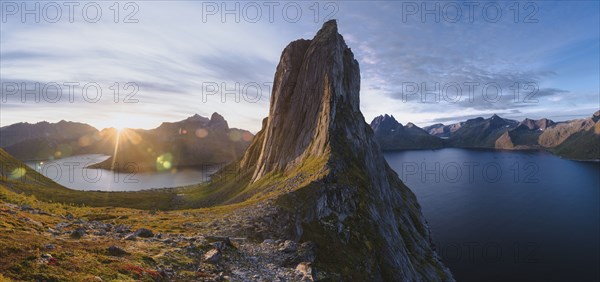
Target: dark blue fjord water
[(508, 216)]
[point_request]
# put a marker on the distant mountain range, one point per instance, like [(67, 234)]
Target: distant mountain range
[(196, 140), (45, 140), (574, 139), (392, 135)]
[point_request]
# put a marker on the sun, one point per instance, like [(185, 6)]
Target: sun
[(118, 123)]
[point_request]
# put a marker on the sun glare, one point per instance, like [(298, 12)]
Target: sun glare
[(118, 121)]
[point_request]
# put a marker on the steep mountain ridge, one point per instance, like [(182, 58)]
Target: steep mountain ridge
[(315, 173), (392, 135)]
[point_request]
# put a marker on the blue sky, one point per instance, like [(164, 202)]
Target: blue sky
[(177, 51)]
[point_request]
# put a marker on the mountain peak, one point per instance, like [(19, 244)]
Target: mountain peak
[(216, 116), (217, 121), (329, 30), (532, 124), (196, 118), (313, 78), (385, 123), (329, 170)]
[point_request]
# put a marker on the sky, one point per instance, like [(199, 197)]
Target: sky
[(138, 64)]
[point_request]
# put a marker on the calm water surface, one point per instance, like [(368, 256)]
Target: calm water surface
[(508, 216), (71, 172)]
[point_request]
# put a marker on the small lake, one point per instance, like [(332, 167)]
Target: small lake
[(71, 172), (508, 216)]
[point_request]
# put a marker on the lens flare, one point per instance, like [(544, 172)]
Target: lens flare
[(201, 133), (18, 173), (164, 162)]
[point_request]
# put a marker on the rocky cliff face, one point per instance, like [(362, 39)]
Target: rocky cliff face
[(318, 162)]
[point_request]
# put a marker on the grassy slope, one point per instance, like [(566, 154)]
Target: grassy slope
[(23, 236)]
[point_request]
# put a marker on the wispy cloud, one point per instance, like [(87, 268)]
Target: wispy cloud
[(172, 53)]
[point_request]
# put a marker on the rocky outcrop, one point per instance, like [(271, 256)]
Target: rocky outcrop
[(392, 135), (315, 173), (218, 122)]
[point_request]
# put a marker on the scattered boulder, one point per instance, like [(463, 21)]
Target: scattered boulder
[(78, 233), (144, 233), (211, 239), (49, 247), (219, 242), (269, 241), (219, 245), (26, 208), (288, 246), (122, 229), (100, 232), (116, 251), (305, 269), (212, 256)]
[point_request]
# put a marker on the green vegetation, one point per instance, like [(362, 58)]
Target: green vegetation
[(24, 235)]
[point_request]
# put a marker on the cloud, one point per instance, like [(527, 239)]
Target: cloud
[(172, 51)]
